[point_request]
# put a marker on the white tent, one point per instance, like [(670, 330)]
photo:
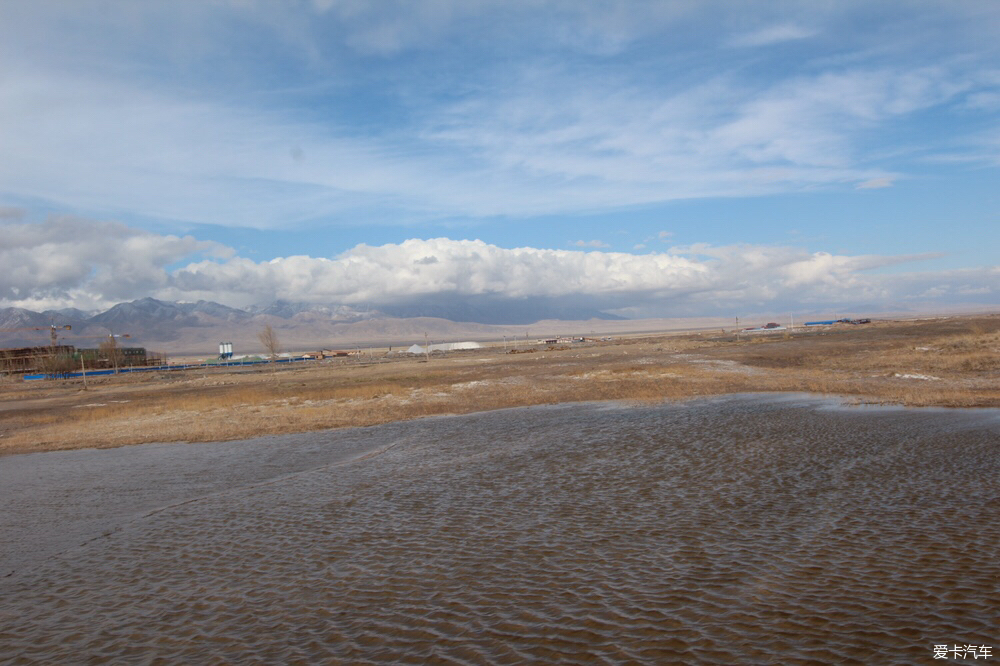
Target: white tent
[(445, 346)]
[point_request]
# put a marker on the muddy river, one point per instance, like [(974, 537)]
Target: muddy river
[(744, 529)]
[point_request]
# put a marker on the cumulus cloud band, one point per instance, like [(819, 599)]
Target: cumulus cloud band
[(87, 264)]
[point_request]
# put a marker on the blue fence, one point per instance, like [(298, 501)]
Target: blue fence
[(162, 368)]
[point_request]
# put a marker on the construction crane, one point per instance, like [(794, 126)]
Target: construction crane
[(53, 331), (102, 337), (112, 336)]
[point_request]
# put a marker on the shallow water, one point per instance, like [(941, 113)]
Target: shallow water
[(736, 530)]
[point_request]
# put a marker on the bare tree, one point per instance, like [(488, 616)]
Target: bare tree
[(56, 365), (269, 339), (110, 350)]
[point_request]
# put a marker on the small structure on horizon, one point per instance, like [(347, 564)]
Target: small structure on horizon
[(831, 322), (443, 347)]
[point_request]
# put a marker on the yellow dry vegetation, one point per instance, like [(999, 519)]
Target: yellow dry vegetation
[(951, 361)]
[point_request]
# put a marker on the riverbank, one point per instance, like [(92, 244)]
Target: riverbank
[(948, 361)]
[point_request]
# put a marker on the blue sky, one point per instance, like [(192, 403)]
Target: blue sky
[(688, 157)]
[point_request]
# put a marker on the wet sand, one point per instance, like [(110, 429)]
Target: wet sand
[(735, 530)]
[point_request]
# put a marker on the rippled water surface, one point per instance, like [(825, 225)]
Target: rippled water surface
[(737, 530)]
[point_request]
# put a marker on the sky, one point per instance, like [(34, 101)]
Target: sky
[(644, 158)]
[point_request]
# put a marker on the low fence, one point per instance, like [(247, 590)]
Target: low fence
[(164, 368)]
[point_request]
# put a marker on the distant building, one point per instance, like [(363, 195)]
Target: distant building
[(443, 347), (23, 360)]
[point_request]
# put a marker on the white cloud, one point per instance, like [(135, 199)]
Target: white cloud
[(101, 146), (876, 183), (94, 125), (393, 26), (558, 139), (73, 262), (399, 272), (590, 243), (983, 101), (774, 35), (662, 236)]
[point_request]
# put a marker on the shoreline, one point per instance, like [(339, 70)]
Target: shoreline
[(821, 401), (954, 362)]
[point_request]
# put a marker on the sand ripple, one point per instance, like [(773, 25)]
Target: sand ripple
[(727, 531)]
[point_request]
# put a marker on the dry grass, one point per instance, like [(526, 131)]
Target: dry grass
[(950, 362)]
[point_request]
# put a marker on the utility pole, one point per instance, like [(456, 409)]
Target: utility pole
[(113, 346)]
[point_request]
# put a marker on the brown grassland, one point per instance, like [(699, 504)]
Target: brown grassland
[(951, 362)]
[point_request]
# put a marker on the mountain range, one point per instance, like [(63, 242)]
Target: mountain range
[(198, 327)]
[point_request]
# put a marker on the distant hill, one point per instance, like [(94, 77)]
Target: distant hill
[(310, 311), (199, 327), (21, 318), (215, 311), (196, 329), (68, 315), (145, 314)]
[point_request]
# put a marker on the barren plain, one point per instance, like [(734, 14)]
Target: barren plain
[(946, 361)]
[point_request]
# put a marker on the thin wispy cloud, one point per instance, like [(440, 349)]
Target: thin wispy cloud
[(536, 139), (774, 34), (876, 183)]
